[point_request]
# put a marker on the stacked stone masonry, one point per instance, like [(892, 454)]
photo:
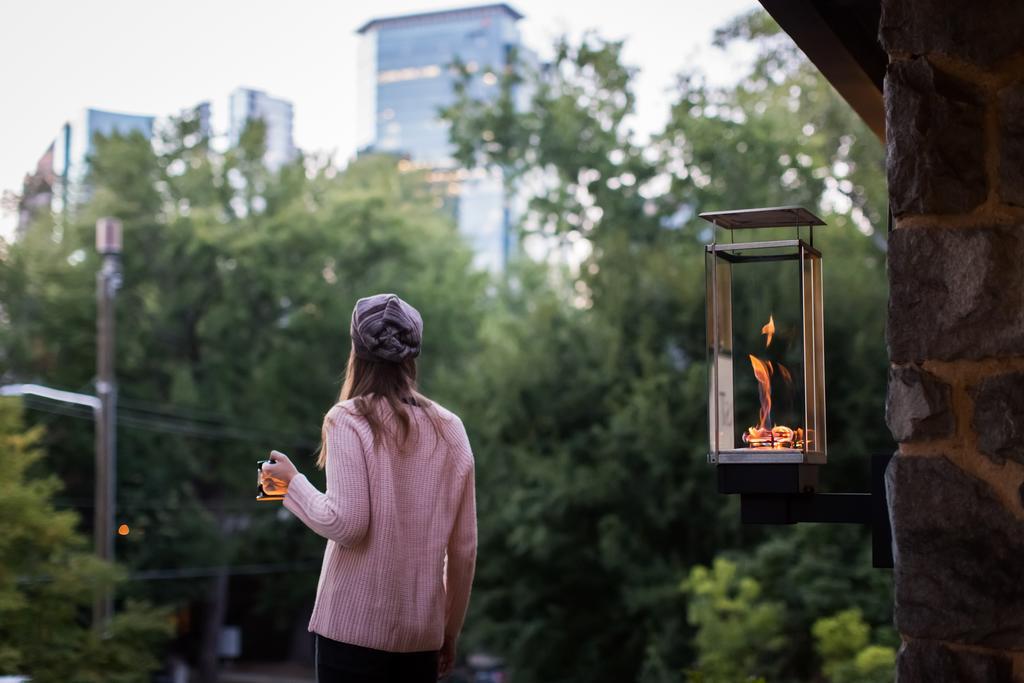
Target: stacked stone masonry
[(918, 405), (954, 100), (1011, 153), (938, 663)]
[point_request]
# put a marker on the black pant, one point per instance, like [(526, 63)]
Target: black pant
[(343, 663)]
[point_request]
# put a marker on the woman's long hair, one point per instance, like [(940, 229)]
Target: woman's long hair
[(371, 383)]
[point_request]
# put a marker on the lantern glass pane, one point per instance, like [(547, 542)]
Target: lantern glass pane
[(817, 409), (766, 380), (807, 294), (721, 426)]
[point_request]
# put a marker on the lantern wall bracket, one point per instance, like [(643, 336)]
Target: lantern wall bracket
[(787, 494)]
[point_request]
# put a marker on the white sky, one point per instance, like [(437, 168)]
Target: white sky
[(140, 56)]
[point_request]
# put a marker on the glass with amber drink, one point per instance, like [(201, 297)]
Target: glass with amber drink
[(268, 488)]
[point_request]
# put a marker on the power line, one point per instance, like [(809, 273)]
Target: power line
[(171, 424), (237, 570), (157, 421), (201, 572), (193, 412), (58, 408), (201, 431), (174, 417), (80, 504)]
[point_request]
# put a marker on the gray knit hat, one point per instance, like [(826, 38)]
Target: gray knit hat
[(385, 328)]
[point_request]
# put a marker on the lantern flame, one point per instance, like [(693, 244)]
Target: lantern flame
[(764, 435), (763, 374), (785, 373), (769, 329)]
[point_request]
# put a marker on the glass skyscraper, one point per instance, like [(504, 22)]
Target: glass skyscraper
[(406, 76), (75, 144), (246, 104)]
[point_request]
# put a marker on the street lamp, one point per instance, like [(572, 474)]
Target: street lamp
[(51, 394), (108, 282)]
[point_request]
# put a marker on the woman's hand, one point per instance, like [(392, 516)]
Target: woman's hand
[(281, 469), (446, 658)]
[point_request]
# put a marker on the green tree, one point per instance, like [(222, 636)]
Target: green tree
[(591, 412), (848, 656), (738, 633), (586, 412), (818, 570), (48, 579), (232, 335)]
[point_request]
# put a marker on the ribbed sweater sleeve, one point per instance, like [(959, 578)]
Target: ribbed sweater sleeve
[(461, 559), (342, 514)]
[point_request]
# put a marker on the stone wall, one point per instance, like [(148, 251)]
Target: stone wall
[(954, 100)]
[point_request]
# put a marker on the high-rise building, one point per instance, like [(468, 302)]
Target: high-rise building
[(58, 181), (67, 160), (203, 112), (246, 105), (406, 75)]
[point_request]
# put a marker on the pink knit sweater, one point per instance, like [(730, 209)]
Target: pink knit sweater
[(391, 520)]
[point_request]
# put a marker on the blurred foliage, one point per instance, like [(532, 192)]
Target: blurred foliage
[(590, 424), (48, 579), (741, 631), (818, 571), (843, 643), (738, 632), (581, 378), (232, 336)]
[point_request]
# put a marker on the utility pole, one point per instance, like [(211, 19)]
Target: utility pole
[(108, 281)]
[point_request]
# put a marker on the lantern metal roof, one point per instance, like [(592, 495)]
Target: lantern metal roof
[(768, 217)]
